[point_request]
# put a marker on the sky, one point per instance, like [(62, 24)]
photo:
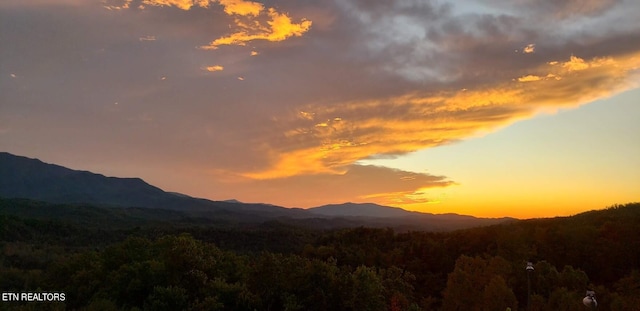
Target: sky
[(488, 108)]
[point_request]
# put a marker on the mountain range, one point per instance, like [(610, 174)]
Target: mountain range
[(22, 177)]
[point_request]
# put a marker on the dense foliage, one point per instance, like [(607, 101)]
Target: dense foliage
[(116, 260)]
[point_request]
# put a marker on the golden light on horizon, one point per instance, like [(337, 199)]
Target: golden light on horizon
[(428, 121)]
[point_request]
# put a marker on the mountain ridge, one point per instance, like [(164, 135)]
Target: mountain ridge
[(23, 177), (362, 209)]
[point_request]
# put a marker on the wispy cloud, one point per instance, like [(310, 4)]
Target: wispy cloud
[(356, 183), (318, 143), (242, 7), (147, 38), (531, 48), (251, 21), (116, 4), (278, 27), (181, 4), (577, 64), (529, 78), (213, 68)]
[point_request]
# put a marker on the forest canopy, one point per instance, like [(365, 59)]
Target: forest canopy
[(102, 262)]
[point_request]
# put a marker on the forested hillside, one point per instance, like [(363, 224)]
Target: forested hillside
[(126, 198), (127, 261)]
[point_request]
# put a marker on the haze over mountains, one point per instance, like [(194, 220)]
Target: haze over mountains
[(22, 177)]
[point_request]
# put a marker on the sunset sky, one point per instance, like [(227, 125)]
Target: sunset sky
[(489, 107)]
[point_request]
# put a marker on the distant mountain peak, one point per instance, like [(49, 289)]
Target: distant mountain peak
[(351, 209), (232, 201), (22, 177)]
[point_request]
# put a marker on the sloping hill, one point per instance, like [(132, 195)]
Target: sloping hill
[(359, 210), (22, 177), (386, 216)]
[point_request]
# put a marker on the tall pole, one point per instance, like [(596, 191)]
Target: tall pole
[(529, 270)]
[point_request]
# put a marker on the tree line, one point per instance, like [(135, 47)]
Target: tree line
[(281, 267)]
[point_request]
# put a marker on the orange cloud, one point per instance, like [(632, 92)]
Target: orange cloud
[(575, 64), (531, 48), (403, 198), (181, 4), (231, 7), (116, 4), (251, 22), (326, 138), (214, 68), (282, 27), (241, 7), (352, 183), (279, 27), (529, 78)]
